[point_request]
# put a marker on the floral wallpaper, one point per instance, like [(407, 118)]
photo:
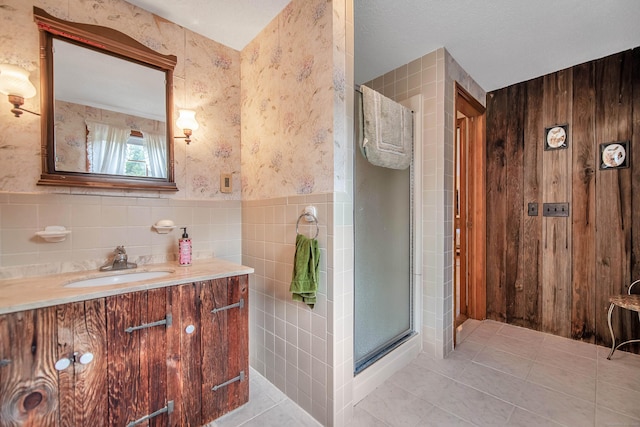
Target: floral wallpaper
[(206, 79), (287, 99)]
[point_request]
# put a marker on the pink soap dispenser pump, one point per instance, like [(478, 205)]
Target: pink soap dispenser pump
[(184, 249)]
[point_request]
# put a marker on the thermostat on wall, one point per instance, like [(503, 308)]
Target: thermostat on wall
[(226, 183)]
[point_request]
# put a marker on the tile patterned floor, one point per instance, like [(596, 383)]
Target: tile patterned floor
[(499, 375), (502, 375), (267, 407)]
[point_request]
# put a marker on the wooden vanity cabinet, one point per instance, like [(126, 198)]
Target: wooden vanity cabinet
[(174, 356)]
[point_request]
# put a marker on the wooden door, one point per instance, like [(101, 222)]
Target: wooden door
[(225, 367), (28, 379), (137, 365), (460, 221), (238, 340), (184, 370), (35, 390), (82, 387), (473, 227)]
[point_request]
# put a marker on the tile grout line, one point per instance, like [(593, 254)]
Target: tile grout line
[(260, 413), (459, 417), (598, 360), (514, 405), (526, 381)]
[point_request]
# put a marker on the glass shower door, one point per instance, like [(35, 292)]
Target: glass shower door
[(383, 273)]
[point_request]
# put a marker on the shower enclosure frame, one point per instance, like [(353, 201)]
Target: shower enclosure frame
[(398, 354)]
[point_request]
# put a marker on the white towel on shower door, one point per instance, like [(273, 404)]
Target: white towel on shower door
[(388, 131)]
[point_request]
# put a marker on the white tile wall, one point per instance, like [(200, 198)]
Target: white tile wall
[(341, 322), (100, 223), (289, 342), (340, 267)]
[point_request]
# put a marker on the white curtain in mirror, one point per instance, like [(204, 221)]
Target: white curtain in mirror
[(107, 148), (155, 145)]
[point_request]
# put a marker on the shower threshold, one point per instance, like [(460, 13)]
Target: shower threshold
[(373, 357)]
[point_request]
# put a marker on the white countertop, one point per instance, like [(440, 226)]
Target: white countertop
[(44, 291)]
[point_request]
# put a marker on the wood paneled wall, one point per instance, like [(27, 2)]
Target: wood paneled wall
[(556, 274)]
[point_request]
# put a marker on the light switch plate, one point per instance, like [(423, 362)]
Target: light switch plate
[(555, 209), (226, 183)]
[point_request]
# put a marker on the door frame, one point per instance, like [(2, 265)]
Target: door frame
[(476, 214), (460, 268)]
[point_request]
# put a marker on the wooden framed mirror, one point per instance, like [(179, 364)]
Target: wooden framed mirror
[(107, 104)]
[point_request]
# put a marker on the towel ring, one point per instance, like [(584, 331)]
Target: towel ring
[(305, 215)]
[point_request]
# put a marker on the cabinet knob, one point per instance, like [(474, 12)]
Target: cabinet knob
[(62, 364), (86, 358), (65, 362), (190, 329)]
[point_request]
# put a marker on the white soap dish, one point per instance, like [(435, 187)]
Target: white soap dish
[(163, 229), (54, 233), (164, 226)]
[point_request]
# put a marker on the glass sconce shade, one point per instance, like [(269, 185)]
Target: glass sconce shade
[(14, 81), (187, 120)]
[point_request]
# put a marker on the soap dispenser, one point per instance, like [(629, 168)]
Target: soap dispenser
[(184, 249)]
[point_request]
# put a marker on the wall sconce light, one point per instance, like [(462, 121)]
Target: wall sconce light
[(14, 82), (187, 122)]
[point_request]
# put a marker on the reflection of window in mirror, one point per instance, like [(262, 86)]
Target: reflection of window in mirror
[(144, 157), (137, 163), (118, 150)]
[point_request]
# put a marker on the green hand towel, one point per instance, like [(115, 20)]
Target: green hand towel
[(306, 263)]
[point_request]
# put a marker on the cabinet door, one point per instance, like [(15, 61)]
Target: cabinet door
[(137, 353), (184, 358), (225, 366), (238, 341), (82, 387), (28, 380), (33, 392)]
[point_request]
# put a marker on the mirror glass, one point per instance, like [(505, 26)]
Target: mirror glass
[(107, 108), (110, 114)]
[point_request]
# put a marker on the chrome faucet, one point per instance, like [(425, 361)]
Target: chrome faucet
[(119, 261)]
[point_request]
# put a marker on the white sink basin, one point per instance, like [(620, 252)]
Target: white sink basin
[(117, 279)]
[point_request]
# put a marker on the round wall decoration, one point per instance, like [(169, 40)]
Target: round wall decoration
[(613, 155), (556, 137)]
